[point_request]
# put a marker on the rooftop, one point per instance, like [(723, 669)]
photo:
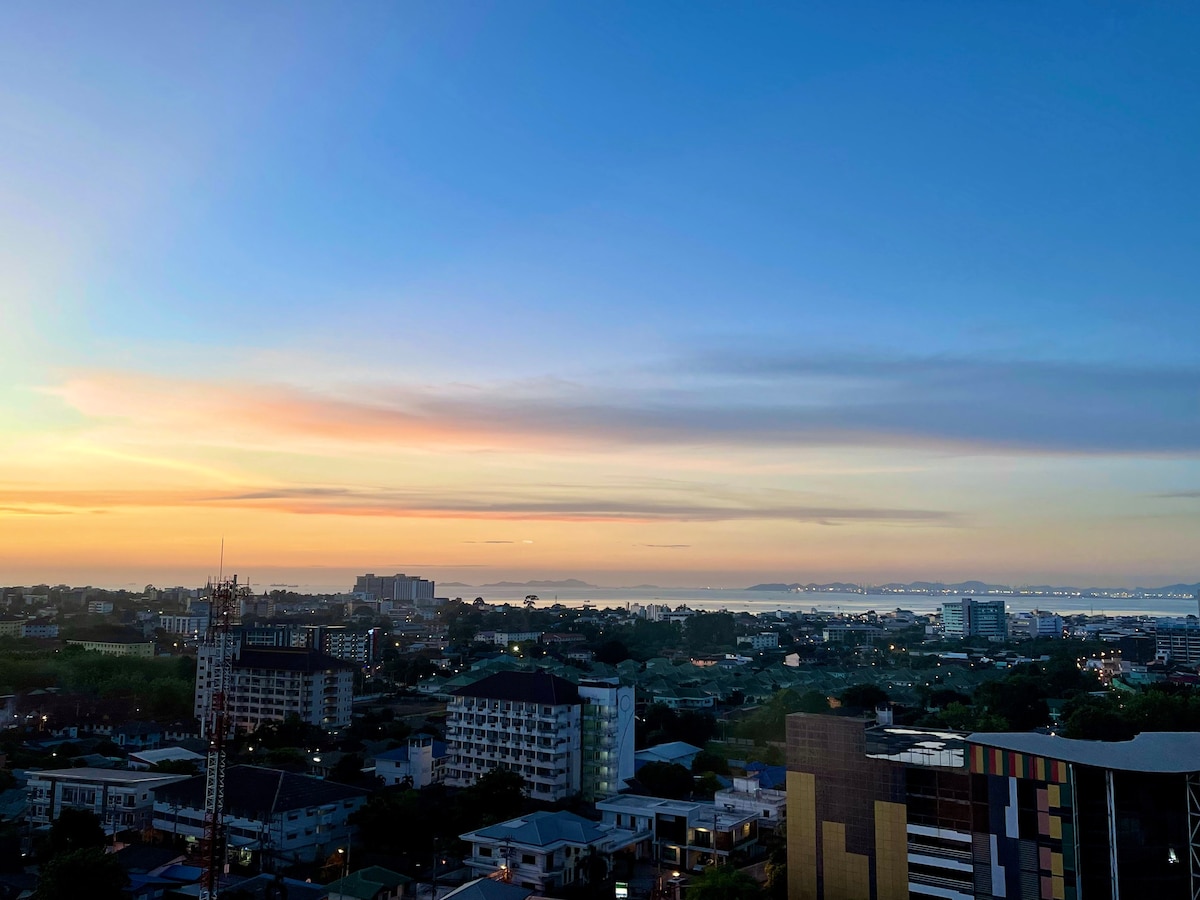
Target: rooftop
[(288, 658), (1159, 751), (256, 791), (543, 829), (489, 889), (525, 687), (108, 776), (917, 746), (366, 883)]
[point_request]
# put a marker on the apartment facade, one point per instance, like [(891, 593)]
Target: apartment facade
[(525, 722), (969, 617), (606, 737), (278, 815), (1178, 640), (121, 800), (269, 684), (884, 813), (143, 649)]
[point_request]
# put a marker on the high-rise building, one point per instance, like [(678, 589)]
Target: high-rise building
[(378, 588), (969, 617), (883, 813), (561, 738), (606, 742), (269, 684), (1178, 640)]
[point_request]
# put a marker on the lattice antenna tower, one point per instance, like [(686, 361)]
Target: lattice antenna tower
[(225, 599)]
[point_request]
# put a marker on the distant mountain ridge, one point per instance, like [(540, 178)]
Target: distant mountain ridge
[(968, 587), (566, 584)]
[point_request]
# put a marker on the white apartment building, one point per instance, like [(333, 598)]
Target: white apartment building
[(184, 626), (606, 741), (280, 815), (767, 640), (271, 683), (122, 800), (526, 722), (1036, 624)]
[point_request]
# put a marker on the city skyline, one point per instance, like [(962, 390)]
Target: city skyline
[(627, 294)]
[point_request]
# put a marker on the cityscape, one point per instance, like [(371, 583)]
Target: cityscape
[(621, 451)]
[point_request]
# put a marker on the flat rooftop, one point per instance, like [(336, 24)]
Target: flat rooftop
[(1157, 751), (918, 746)]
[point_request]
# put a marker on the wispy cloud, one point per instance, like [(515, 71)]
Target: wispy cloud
[(582, 505), (665, 546), (964, 405)]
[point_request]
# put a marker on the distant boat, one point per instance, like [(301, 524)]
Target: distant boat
[(284, 585)]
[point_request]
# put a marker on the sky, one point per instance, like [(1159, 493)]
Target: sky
[(682, 293)]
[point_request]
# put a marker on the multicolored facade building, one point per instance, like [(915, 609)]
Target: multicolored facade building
[(887, 812)]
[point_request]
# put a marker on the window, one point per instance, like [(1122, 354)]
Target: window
[(528, 859), (485, 851)]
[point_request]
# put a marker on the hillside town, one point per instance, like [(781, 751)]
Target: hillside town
[(387, 742)]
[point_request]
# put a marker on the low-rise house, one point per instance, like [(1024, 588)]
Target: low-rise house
[(371, 883), (678, 752), (120, 799), (546, 851), (682, 833), (279, 815), (138, 735)]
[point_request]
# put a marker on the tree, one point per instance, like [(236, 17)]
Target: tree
[(709, 762), (612, 652), (74, 829), (662, 779), (65, 876), (724, 883), (496, 796), (709, 631), (863, 696)]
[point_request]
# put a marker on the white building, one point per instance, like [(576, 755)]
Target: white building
[(969, 617), (682, 833), (767, 640), (545, 851), (269, 684), (184, 626), (100, 607), (39, 629), (122, 800), (1036, 624), (747, 796), (525, 722), (421, 762), (607, 740), (285, 816)]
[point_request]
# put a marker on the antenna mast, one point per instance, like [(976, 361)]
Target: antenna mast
[(225, 598)]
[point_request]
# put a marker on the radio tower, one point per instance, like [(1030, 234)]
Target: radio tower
[(225, 597)]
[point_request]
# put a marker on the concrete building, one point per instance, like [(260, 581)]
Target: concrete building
[(969, 617), (117, 648), (767, 640), (884, 813), (683, 834), (185, 626), (748, 796), (100, 607), (1178, 640), (39, 629), (526, 722), (545, 851), (607, 737), (421, 762), (269, 684), (270, 814), (1036, 624), (122, 800), (404, 588)]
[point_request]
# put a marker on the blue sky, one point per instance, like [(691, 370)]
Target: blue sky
[(957, 239)]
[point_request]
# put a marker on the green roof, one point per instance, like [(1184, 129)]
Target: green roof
[(366, 883)]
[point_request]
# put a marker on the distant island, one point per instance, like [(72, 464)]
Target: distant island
[(453, 584), (567, 584)]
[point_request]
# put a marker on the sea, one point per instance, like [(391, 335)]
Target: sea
[(715, 599)]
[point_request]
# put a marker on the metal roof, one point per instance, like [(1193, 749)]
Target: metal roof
[(1161, 751)]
